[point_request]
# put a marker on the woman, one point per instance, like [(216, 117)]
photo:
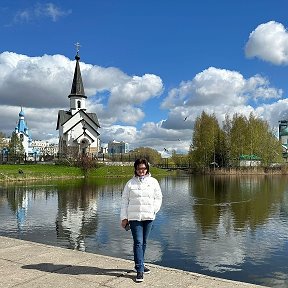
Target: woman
[(141, 200)]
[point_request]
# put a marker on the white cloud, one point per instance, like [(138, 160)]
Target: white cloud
[(137, 90), (269, 42), (22, 82), (216, 86), (51, 10), (119, 133), (38, 11), (127, 96)]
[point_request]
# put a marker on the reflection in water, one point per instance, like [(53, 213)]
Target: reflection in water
[(229, 227), (77, 214)]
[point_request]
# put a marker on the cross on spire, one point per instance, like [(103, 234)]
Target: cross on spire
[(77, 46)]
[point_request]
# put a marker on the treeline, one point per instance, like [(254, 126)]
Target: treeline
[(222, 147)]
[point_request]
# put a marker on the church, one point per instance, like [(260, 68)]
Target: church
[(78, 129), (22, 131)]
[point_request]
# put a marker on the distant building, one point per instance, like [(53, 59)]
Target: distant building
[(249, 160), (78, 130), (45, 148), (283, 136), (115, 147)]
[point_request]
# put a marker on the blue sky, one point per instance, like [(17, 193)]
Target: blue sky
[(146, 65)]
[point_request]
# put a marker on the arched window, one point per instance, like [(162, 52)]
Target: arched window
[(79, 104), (21, 137)]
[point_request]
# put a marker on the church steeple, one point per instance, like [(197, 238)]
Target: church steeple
[(77, 84), (77, 95)]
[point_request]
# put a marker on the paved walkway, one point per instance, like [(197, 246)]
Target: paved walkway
[(29, 265)]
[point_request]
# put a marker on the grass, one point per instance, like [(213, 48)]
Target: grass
[(123, 171), (44, 171), (37, 171)]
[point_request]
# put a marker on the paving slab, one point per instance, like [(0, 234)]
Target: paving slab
[(26, 264)]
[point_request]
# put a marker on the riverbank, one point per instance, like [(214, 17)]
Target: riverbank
[(31, 172), (279, 170)]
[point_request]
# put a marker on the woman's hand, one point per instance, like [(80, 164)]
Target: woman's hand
[(124, 222)]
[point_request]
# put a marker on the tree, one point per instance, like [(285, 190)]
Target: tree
[(16, 148), (238, 147), (206, 141), (226, 145), (179, 159), (86, 163), (152, 155), (239, 136), (3, 144)]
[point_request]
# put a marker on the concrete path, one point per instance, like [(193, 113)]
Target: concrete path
[(29, 265)]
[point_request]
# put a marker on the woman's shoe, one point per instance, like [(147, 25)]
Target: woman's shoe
[(146, 270), (139, 277)]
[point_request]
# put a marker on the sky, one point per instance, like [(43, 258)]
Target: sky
[(149, 68)]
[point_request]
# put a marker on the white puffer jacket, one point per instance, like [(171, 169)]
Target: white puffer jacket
[(141, 199)]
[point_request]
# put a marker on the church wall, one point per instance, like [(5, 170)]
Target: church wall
[(25, 141), (71, 122)]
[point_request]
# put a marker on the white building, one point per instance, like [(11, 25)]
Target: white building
[(78, 133), (115, 147), (45, 148)]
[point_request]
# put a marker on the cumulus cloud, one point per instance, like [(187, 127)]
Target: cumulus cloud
[(119, 133), (127, 96), (215, 86), (22, 80), (269, 42), (221, 92)]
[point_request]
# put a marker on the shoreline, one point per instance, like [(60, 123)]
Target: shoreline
[(48, 172)]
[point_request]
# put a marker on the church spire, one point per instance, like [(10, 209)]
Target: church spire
[(77, 84)]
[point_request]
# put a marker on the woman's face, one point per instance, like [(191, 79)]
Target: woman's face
[(141, 170)]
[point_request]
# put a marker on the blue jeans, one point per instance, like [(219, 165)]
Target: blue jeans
[(140, 232)]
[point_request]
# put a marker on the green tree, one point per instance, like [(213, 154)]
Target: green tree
[(238, 133), (16, 148), (206, 141), (3, 144), (179, 159), (239, 136), (152, 155), (262, 141), (226, 148)]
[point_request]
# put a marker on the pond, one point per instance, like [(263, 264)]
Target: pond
[(225, 226)]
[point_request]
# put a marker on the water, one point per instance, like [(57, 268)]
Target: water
[(229, 227)]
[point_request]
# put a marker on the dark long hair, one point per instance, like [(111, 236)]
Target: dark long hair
[(141, 161)]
